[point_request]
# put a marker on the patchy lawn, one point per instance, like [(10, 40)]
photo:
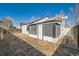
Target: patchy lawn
[(43, 46), (11, 45), (66, 51)]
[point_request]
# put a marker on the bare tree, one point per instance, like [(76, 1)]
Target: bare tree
[(8, 21), (61, 14), (75, 14)]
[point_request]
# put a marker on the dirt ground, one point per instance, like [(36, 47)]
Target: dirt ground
[(10, 45), (66, 51), (45, 47)]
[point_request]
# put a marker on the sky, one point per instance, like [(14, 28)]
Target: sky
[(23, 12)]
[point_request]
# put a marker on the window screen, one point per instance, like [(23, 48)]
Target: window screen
[(33, 29), (51, 30), (27, 28), (58, 30)]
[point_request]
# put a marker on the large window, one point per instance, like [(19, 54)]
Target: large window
[(57, 29), (51, 30), (33, 29), (47, 30)]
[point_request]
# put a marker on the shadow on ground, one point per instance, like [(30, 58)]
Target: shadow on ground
[(66, 51), (70, 44), (11, 45)]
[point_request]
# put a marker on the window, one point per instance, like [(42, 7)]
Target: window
[(51, 30), (57, 30), (27, 28), (33, 29)]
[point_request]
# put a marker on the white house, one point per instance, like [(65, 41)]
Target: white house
[(49, 29), (19, 25)]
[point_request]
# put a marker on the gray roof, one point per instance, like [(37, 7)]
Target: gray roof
[(52, 19)]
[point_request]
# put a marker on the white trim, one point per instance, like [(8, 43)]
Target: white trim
[(40, 31), (32, 35), (50, 39)]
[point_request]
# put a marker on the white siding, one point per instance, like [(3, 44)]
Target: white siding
[(50, 39), (40, 31), (34, 36), (24, 29)]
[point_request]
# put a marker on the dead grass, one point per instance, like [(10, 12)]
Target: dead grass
[(11, 45), (43, 46)]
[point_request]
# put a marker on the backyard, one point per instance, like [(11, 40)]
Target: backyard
[(11, 45), (18, 44)]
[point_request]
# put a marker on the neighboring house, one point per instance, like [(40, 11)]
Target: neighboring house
[(19, 25), (49, 29)]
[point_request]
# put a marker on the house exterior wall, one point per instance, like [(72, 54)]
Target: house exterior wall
[(53, 38), (33, 31), (50, 39), (40, 34), (24, 29), (32, 35)]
